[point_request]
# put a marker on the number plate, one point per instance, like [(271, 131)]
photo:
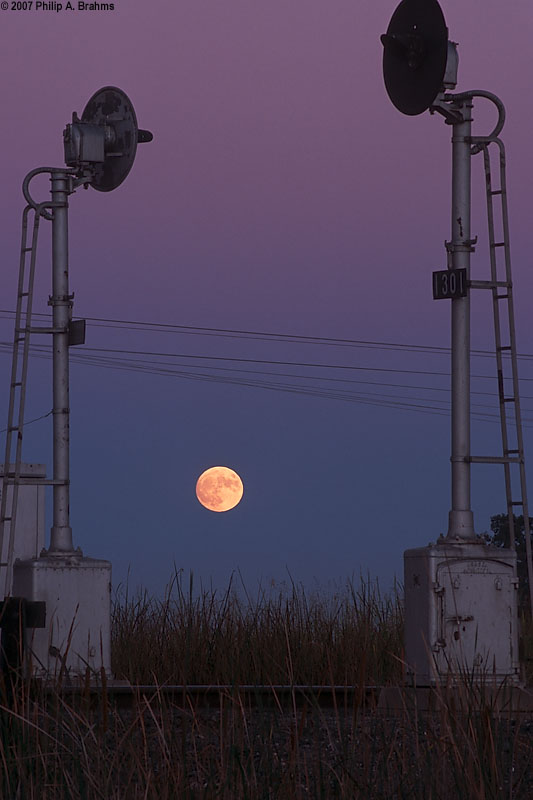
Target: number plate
[(449, 284)]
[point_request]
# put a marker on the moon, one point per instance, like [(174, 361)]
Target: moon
[(219, 489)]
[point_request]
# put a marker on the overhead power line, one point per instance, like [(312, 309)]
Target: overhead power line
[(247, 378), (238, 371), (289, 338), (238, 360)]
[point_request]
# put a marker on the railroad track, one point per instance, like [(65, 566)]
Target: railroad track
[(348, 699), (124, 695)]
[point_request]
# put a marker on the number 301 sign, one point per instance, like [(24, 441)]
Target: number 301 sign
[(449, 283)]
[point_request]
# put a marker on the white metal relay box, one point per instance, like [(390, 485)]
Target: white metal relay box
[(460, 612), (29, 529)]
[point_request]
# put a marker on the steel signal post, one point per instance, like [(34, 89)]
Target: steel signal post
[(61, 302), (60, 593), (461, 593), (461, 519)]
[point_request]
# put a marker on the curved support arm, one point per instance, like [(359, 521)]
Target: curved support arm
[(489, 96), (39, 207)]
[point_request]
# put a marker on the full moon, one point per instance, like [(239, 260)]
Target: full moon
[(219, 489)]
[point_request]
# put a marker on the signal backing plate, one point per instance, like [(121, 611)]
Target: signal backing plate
[(414, 55), (112, 107)]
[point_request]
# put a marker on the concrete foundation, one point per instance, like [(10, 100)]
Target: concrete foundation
[(77, 634), (460, 612)]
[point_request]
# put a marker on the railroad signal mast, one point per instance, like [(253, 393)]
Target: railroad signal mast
[(59, 594), (460, 593)]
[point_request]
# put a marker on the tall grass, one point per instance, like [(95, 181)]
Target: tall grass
[(56, 747), (58, 750), (280, 636)]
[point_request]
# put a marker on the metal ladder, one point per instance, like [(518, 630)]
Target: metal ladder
[(502, 292), (12, 476), (17, 393)]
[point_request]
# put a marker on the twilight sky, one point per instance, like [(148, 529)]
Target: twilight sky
[(282, 194)]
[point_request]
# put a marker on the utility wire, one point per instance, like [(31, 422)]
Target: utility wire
[(31, 421), (45, 349), (85, 355), (304, 364), (165, 327), (365, 398)]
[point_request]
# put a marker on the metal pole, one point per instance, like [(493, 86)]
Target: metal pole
[(61, 302), (461, 519)]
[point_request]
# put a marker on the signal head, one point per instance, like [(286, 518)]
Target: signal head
[(105, 139), (414, 55)]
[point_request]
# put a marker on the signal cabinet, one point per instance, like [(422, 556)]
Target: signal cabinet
[(460, 612), (77, 633), (29, 531)]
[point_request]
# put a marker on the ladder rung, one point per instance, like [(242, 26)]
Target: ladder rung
[(23, 294), (488, 284), (496, 191), (7, 519), (16, 383), (508, 452), (4, 563), (516, 503), (509, 399), (498, 244), (27, 330), (46, 330), (494, 460), (27, 249), (35, 482), (502, 296), (504, 347)]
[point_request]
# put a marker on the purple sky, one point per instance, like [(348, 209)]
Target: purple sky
[(282, 193)]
